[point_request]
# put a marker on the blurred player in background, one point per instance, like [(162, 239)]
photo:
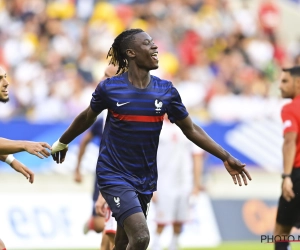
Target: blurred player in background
[(9, 147), (136, 103), (2, 246), (288, 213), (96, 221), (110, 228), (179, 165)]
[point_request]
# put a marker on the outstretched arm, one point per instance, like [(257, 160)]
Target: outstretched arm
[(204, 141), (201, 138), (80, 124), (36, 148), (3, 157)]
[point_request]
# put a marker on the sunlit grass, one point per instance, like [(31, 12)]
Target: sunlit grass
[(225, 246)]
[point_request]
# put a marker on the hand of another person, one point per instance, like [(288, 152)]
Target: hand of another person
[(77, 175), (287, 189), (237, 170), (154, 197), (59, 151), (196, 190), (37, 148), (101, 206), (21, 168)]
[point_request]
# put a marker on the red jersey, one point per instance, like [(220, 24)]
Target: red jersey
[(290, 115)]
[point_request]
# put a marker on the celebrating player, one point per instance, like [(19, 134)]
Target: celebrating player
[(136, 102)]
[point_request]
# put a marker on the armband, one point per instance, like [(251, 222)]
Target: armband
[(9, 159), (58, 146)]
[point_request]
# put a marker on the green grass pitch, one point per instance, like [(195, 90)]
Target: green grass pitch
[(225, 246)]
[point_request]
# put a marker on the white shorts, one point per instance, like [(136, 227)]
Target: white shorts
[(172, 207), (110, 223)]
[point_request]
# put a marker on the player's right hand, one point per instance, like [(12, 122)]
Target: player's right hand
[(37, 148), (59, 151)]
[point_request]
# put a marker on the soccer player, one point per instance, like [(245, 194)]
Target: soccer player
[(9, 147), (179, 164), (288, 214), (136, 102), (96, 221)]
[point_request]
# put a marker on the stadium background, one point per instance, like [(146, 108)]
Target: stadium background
[(223, 56)]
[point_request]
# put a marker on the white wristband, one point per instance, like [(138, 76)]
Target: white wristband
[(9, 159), (58, 146)]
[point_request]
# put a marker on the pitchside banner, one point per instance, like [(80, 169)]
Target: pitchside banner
[(55, 220), (252, 219), (256, 143)]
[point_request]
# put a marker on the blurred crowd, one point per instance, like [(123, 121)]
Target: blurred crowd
[(224, 60)]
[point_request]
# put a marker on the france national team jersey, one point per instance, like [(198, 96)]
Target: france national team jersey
[(130, 138)]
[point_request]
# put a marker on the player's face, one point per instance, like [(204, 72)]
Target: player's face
[(3, 86), (287, 85), (145, 52)]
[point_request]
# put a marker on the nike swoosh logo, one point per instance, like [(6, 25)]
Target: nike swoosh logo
[(121, 104)]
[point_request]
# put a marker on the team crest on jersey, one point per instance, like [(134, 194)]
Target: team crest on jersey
[(117, 201), (158, 104)]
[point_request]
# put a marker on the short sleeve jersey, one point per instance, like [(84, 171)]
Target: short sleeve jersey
[(130, 138), (290, 115)]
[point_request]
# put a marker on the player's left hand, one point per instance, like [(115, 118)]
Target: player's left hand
[(21, 168), (59, 151), (237, 170)]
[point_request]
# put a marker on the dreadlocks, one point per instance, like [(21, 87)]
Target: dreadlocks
[(117, 51)]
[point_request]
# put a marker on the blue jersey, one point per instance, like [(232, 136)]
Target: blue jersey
[(130, 138)]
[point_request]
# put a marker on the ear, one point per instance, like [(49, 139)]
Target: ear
[(130, 53)]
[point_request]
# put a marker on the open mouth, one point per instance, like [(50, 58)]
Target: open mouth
[(154, 56)]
